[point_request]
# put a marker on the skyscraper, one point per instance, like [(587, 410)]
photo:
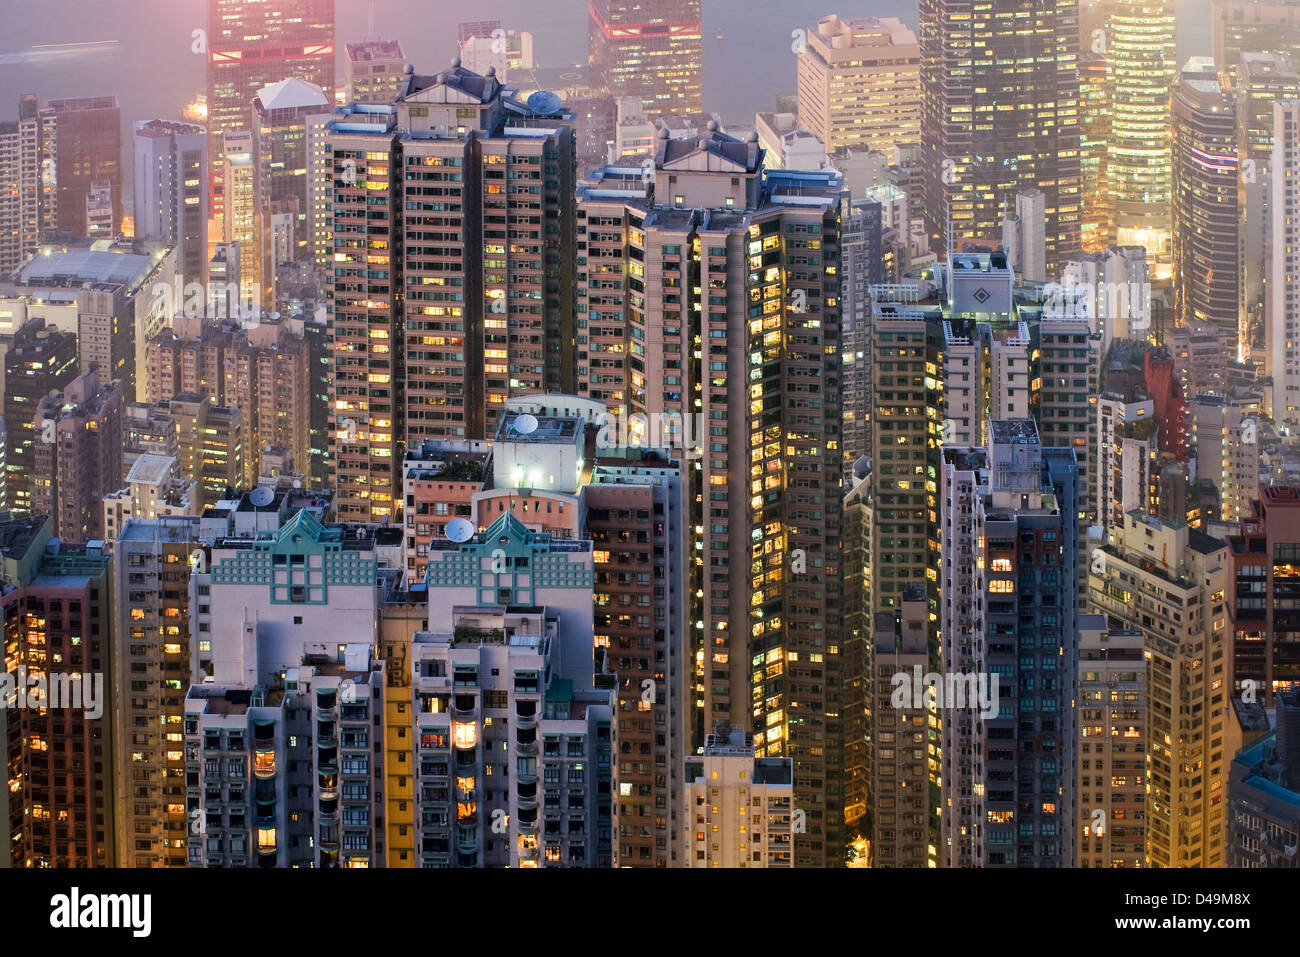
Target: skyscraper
[(152, 632), (1112, 746), (1282, 312), (262, 371), (477, 238), (1140, 52), (57, 613), (40, 360), (374, 71), (1024, 598), (29, 199), (652, 49), (171, 191), (1169, 581), (1251, 26), (252, 45), (719, 257), (78, 457), (1261, 80), (1000, 89), (860, 83), (89, 151), (738, 810), (284, 115), (1206, 255)]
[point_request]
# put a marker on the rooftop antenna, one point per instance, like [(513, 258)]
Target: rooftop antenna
[(372, 18)]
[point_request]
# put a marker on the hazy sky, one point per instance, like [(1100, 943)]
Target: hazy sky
[(153, 71), (143, 47)]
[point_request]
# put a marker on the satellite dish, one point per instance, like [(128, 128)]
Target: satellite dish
[(460, 530), (525, 424), (544, 103), (297, 483), (261, 496)]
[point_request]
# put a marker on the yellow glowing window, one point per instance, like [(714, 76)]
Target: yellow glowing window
[(1001, 565), (465, 735), (1002, 586)]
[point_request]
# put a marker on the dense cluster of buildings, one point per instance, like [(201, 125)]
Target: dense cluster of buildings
[(451, 467)]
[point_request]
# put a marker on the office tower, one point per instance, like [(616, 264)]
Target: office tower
[(262, 371), (900, 774), (171, 191), (57, 611), (1023, 235), (1096, 221), (1282, 311), (477, 327), (1264, 795), (241, 217), (712, 221), (284, 701), (374, 71), (989, 129), (485, 44), (1262, 79), (77, 456), (284, 115), (1168, 581), (530, 616), (1128, 447), (1228, 451), (1265, 558), (1112, 734), (652, 51), (40, 361), (738, 810), (1206, 256), (860, 82), (1142, 61), (1021, 625), (153, 488), (251, 45), (29, 199), (212, 441), (152, 634), (862, 265), (89, 134), (1251, 26), (118, 296)]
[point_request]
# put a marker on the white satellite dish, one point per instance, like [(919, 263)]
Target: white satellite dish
[(525, 424), (460, 530), (261, 496)]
